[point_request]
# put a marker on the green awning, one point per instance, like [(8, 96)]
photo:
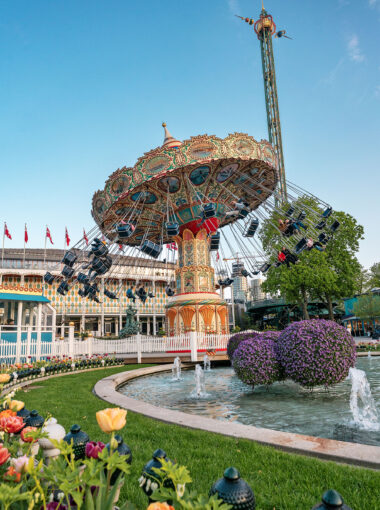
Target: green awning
[(7, 296)]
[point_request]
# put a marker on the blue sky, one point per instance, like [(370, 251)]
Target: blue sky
[(85, 86)]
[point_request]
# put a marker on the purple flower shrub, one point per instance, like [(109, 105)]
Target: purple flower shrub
[(255, 359), (316, 352), (235, 340)]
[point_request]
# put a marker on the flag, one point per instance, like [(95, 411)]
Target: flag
[(6, 231), (67, 238), (172, 246), (85, 237), (48, 235), (217, 256), (121, 248), (26, 237)]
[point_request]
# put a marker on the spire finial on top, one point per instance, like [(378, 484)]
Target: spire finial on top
[(169, 141)]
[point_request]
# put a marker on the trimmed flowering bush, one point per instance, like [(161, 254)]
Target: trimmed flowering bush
[(316, 352), (255, 360), (234, 341)]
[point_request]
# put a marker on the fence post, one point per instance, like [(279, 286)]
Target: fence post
[(71, 340), (194, 346), (28, 341), (39, 322), (89, 340), (138, 344)]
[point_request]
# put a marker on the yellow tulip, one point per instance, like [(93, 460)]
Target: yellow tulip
[(110, 420), (16, 405), (4, 378)]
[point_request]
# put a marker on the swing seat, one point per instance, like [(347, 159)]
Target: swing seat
[(69, 258), (289, 212), (251, 229), (300, 246), (243, 213), (169, 292), (83, 278), (245, 273), (110, 294), (327, 212), (63, 288), (67, 271), (125, 231), (101, 266), (321, 225), (208, 211), (264, 268), (301, 216), (151, 295), (151, 248), (322, 238), (215, 240), (48, 278), (130, 294), (82, 292), (91, 290), (255, 273), (98, 248), (334, 226), (172, 229)]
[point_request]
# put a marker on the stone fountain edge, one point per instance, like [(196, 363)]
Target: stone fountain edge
[(327, 449)]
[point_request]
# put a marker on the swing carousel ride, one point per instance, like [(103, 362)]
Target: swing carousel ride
[(196, 203)]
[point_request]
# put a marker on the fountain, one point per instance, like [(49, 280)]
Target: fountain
[(206, 363), (199, 382), (365, 416), (369, 354), (176, 369)]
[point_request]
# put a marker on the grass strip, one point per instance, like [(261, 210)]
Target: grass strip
[(280, 481)]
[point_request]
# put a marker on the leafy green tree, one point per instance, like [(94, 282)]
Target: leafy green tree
[(328, 275), (374, 276), (367, 307)]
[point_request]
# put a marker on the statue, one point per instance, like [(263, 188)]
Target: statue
[(132, 326)]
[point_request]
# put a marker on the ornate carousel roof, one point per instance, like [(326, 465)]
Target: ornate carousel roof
[(183, 176)]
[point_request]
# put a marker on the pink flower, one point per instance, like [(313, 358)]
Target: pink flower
[(94, 448), (20, 464)]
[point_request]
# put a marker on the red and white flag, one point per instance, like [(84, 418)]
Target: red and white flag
[(26, 237), (67, 238), (172, 246), (6, 231), (85, 237), (217, 256), (121, 248), (48, 235)]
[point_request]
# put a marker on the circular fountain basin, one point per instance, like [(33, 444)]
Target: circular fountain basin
[(283, 406)]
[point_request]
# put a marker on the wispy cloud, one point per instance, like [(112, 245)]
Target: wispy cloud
[(372, 3), (353, 49), (234, 6), (331, 76)]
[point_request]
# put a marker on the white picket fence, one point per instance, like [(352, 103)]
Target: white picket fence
[(30, 344)]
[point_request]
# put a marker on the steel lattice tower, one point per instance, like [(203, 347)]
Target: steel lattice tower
[(265, 28)]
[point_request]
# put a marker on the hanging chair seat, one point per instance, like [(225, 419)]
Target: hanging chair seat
[(101, 266), (110, 294), (321, 225), (301, 216), (151, 248), (250, 230), (67, 271), (208, 211), (334, 226), (264, 268), (245, 273), (63, 288), (69, 258), (169, 292), (125, 231), (214, 241), (327, 212), (172, 228), (49, 278), (99, 248), (243, 213), (300, 246), (289, 212), (83, 278)]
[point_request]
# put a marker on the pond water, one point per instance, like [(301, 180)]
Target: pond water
[(283, 406)]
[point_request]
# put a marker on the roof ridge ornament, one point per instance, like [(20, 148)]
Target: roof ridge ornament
[(169, 141)]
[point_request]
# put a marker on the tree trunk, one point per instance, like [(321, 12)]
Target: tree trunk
[(304, 304), (330, 307)]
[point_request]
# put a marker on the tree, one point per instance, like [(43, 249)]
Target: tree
[(367, 307), (374, 276), (328, 275)]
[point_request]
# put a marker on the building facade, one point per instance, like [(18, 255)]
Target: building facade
[(106, 317)]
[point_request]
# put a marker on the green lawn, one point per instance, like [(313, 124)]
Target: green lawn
[(279, 480)]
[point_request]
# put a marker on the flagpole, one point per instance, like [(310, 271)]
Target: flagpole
[(45, 248), (23, 263), (2, 251)]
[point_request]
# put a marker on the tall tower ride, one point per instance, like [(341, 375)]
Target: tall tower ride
[(265, 29)]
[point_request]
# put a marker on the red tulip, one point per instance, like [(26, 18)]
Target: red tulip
[(4, 455)]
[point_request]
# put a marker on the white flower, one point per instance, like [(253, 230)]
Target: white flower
[(180, 489)]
